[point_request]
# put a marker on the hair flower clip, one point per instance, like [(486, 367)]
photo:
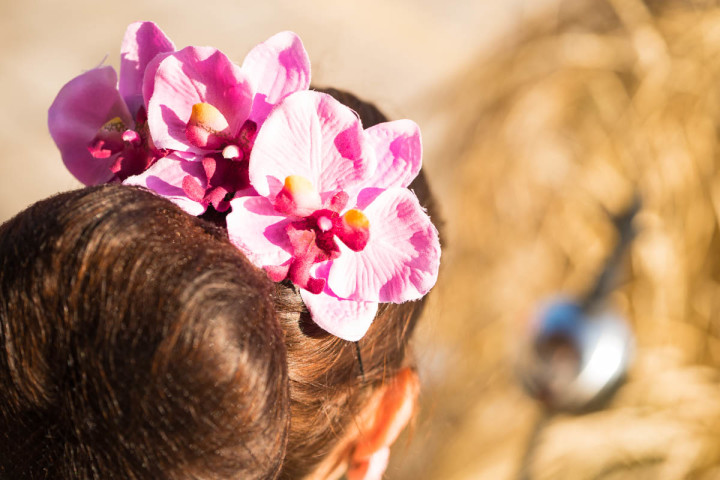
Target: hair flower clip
[(312, 196), (334, 214)]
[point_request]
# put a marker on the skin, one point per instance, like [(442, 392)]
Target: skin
[(376, 428)]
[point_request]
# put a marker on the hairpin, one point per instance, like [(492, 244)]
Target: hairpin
[(311, 196)]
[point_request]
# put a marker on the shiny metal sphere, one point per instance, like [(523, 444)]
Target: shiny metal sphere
[(574, 359)]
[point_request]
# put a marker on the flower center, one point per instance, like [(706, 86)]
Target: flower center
[(312, 236), (207, 128), (128, 145), (324, 223), (232, 152), (222, 179), (354, 230), (109, 139), (298, 198)]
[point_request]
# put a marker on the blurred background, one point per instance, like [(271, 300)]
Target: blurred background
[(542, 120)]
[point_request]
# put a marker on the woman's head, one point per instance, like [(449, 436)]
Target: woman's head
[(139, 343)]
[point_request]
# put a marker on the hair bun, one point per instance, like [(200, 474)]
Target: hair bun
[(138, 343)]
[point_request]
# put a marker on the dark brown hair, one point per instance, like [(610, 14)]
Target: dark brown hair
[(135, 342)]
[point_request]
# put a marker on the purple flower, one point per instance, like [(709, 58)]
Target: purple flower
[(100, 125), (334, 214)]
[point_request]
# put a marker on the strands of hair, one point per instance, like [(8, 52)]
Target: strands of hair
[(136, 343)]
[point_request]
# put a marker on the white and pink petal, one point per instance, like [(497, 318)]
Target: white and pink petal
[(148, 81), (259, 231), (401, 259), (141, 43), (398, 149), (322, 141), (165, 177), (277, 67), (347, 319)]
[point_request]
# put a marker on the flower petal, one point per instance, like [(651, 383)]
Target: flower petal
[(195, 75), (148, 84), (165, 177), (142, 42), (398, 149), (258, 231), (277, 67), (321, 140), (401, 260), (347, 319), (80, 109)]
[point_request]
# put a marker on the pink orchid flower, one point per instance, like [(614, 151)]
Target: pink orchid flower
[(100, 124), (334, 214), (193, 184), (208, 110)]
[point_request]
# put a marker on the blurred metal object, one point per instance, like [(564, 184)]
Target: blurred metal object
[(578, 350), (576, 359)]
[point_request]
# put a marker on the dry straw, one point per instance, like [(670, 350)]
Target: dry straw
[(558, 128)]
